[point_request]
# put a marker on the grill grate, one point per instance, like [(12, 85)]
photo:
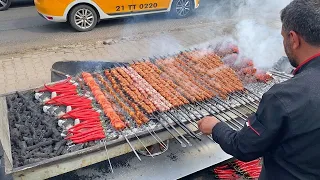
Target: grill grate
[(159, 94)]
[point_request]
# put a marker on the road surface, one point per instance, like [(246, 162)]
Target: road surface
[(22, 29)]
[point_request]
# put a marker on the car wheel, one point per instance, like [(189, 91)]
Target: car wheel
[(181, 8), (83, 18), (4, 4)]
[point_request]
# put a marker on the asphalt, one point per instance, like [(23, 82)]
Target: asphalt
[(22, 29)]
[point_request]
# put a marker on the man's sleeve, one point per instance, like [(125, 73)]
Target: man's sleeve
[(258, 135)]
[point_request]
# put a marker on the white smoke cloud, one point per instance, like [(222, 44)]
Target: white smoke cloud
[(258, 33), (163, 45), (259, 42), (255, 28)]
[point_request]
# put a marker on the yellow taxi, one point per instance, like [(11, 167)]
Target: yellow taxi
[(83, 15)]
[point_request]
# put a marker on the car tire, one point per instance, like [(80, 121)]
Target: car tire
[(4, 4), (181, 8), (83, 18)]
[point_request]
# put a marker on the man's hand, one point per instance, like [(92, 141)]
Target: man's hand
[(206, 124)]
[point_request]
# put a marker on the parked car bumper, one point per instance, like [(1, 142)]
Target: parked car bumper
[(53, 18), (52, 10)]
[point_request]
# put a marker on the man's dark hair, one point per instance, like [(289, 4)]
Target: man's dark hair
[(303, 17)]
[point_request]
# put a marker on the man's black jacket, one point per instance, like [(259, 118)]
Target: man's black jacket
[(285, 130)]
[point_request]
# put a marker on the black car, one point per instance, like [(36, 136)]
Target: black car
[(5, 4)]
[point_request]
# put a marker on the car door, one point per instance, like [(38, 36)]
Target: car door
[(114, 7), (150, 5)]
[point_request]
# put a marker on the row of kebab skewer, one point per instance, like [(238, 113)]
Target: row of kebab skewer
[(172, 91)]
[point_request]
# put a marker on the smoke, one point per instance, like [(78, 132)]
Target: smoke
[(263, 8), (259, 42), (163, 45), (253, 25), (258, 33), (255, 28)]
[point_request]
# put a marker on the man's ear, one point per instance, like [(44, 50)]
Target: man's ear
[(295, 40)]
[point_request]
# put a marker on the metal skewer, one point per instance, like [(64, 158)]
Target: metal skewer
[(253, 93), (244, 100), (190, 105), (181, 143), (190, 132), (226, 108), (219, 118), (181, 113), (242, 103), (209, 112), (135, 152), (142, 143), (159, 140), (222, 113), (175, 130), (243, 93), (242, 96), (137, 136), (195, 122), (201, 112), (192, 112), (184, 128), (179, 124), (281, 74), (256, 94), (224, 103), (105, 147), (186, 116)]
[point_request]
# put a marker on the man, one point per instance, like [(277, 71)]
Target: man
[(285, 130)]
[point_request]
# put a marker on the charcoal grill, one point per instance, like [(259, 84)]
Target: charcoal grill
[(179, 121)]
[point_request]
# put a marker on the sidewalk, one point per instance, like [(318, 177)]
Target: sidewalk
[(29, 70), (33, 69)]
